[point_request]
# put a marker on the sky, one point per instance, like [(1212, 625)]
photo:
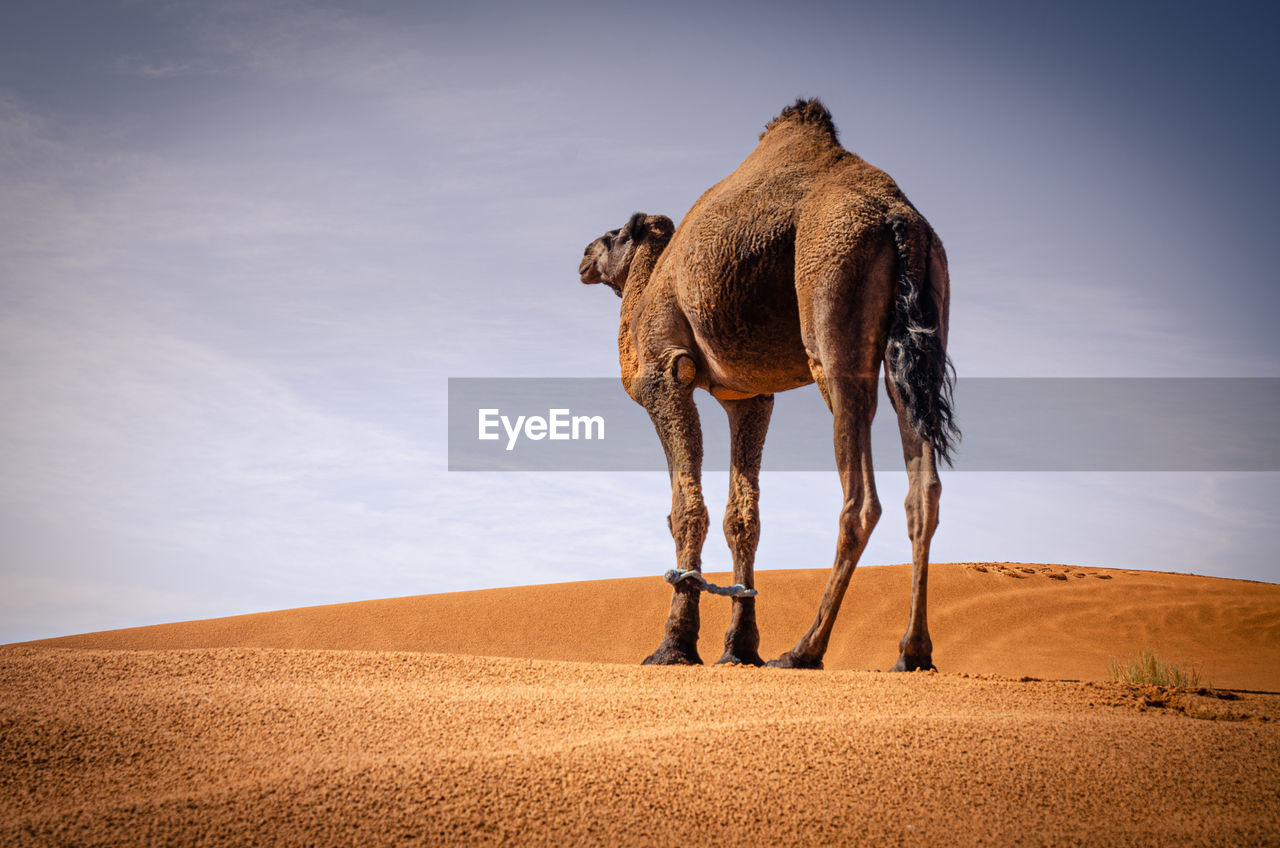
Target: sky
[(244, 246)]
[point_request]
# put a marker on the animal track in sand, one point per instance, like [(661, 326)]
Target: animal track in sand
[(1021, 572), (1200, 702)]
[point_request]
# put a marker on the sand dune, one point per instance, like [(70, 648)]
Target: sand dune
[(1046, 621), (519, 716), (278, 747)]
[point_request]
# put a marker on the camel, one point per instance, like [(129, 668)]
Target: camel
[(805, 265)]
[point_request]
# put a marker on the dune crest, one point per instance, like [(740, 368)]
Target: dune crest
[(1012, 619)]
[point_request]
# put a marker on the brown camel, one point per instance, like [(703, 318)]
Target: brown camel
[(806, 264)]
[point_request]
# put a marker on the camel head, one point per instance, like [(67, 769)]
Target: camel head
[(609, 259)]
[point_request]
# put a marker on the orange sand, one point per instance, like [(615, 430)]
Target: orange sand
[(358, 736), (985, 618)]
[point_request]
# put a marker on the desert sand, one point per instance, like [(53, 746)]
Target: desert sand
[(519, 716)]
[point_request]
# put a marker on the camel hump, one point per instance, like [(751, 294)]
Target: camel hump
[(809, 112)]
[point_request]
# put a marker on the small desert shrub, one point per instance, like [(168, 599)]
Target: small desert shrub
[(1148, 668)]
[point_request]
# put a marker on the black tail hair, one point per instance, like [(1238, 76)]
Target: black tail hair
[(916, 355)]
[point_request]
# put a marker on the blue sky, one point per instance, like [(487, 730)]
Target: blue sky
[(245, 245)]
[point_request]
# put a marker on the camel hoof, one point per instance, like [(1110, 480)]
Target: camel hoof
[(792, 660), (740, 658), (906, 663), (673, 655)]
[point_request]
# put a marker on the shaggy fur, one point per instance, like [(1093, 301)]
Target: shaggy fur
[(810, 112)]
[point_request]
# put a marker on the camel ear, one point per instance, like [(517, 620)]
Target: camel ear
[(660, 225), (635, 229)]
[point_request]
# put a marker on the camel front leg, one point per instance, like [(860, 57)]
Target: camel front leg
[(667, 394), (748, 425)]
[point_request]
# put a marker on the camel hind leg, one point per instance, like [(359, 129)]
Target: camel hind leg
[(748, 424), (845, 290), (924, 490), (852, 399)]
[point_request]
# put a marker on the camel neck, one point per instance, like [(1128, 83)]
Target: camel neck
[(641, 270), (642, 265)]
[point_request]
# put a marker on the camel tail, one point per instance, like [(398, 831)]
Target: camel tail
[(916, 356)]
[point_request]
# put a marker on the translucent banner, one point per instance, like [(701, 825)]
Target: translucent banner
[(1009, 424)]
